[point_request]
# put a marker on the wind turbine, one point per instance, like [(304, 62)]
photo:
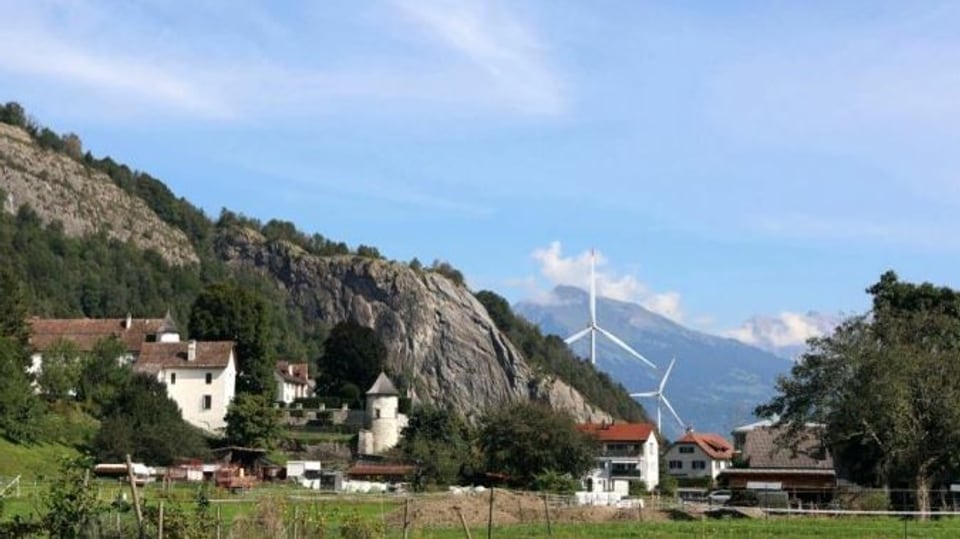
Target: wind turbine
[(662, 399), (593, 328)]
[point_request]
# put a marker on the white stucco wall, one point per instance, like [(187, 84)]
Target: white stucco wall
[(190, 387), (711, 469), (383, 421)]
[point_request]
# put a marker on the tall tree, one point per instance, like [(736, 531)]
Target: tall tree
[(252, 421), (885, 386), (439, 440), (227, 311), (142, 421), (526, 439), (352, 354)]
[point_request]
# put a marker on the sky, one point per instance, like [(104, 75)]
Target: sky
[(744, 168)]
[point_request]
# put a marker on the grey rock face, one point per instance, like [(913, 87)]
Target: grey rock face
[(436, 332), (58, 188)]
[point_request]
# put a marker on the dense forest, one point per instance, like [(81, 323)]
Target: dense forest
[(95, 276)]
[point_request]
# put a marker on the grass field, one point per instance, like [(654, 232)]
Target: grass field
[(279, 511), (31, 461)]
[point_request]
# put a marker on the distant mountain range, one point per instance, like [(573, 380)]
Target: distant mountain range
[(715, 384)]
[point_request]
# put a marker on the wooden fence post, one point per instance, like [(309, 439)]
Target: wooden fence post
[(463, 522), (490, 516), (160, 522), (546, 511), (406, 518), (136, 495)]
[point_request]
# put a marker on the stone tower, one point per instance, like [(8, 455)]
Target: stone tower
[(382, 419)]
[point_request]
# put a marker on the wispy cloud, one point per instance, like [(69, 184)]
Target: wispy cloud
[(574, 270), (503, 47), (253, 65), (785, 333)]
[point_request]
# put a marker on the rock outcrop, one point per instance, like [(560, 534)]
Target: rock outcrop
[(437, 334), (59, 188)]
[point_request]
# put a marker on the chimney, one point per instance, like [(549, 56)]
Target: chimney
[(128, 323), (192, 350)]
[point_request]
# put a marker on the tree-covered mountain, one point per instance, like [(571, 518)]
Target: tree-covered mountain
[(715, 384), (442, 344)]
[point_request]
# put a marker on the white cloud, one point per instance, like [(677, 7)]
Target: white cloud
[(574, 270), (156, 60), (786, 332), (498, 43)]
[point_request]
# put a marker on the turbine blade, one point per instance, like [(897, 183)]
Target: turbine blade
[(593, 291), (578, 335), (616, 340), (663, 381), (645, 394), (672, 411)]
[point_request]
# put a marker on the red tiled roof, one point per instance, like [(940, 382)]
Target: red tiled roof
[(155, 356), (86, 332), (714, 445), (618, 432), (364, 470), (294, 373)]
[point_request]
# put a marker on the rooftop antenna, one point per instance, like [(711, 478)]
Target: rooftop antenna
[(593, 328), (662, 399)]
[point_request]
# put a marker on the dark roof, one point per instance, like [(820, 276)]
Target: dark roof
[(168, 325), (86, 332), (761, 450), (366, 470), (383, 386), (155, 356), (294, 373), (714, 445), (618, 432)]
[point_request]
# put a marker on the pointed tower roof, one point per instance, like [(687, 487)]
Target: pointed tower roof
[(168, 325), (383, 386)]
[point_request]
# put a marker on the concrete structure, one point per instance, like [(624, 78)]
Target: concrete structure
[(383, 421), (629, 452), (293, 381), (699, 455)]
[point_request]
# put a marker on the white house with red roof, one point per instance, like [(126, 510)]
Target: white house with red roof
[(699, 455), (200, 376), (628, 453), (293, 381)]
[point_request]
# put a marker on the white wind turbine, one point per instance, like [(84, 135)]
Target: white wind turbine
[(593, 328), (662, 399)]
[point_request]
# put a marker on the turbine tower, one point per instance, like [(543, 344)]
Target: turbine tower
[(593, 328), (662, 399)]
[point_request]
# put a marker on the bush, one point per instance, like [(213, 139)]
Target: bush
[(552, 481)]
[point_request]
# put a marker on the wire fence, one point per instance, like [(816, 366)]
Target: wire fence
[(284, 511)]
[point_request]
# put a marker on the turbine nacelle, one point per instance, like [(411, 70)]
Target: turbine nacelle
[(662, 399), (593, 328)]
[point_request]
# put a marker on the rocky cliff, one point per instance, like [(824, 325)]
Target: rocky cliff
[(59, 188), (436, 332)]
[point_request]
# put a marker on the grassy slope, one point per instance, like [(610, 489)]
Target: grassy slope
[(31, 461)]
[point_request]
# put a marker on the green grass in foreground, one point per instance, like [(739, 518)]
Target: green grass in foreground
[(794, 527)]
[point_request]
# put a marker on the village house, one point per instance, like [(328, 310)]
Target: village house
[(698, 455), (293, 381), (806, 471), (199, 376), (85, 333), (629, 453)]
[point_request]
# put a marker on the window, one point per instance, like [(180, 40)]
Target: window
[(207, 402), (676, 464), (686, 449), (173, 378), (209, 378), (699, 465), (376, 412)]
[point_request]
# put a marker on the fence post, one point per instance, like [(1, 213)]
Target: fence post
[(546, 512), (219, 519), (160, 522), (136, 495), (463, 522), (406, 520), (490, 516)]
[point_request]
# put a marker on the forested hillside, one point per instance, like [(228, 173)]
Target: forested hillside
[(96, 275)]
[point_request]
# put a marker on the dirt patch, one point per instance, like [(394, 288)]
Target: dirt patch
[(509, 508)]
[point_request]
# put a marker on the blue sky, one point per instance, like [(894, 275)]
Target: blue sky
[(730, 161)]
